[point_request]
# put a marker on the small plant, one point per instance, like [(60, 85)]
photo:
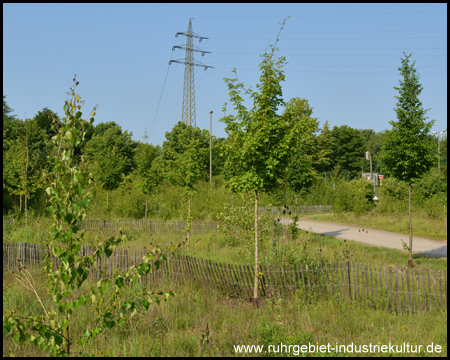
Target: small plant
[(363, 234), (204, 341), (404, 245), (293, 229)]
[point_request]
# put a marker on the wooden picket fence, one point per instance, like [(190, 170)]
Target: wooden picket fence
[(400, 290), (295, 210), (150, 225)]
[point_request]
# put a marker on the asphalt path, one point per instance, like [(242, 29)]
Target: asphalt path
[(422, 246)]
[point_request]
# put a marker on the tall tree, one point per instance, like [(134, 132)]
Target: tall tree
[(44, 119), (348, 149), (184, 161), (111, 154), (325, 146), (301, 171), (407, 147), (149, 175), (21, 160), (261, 139)]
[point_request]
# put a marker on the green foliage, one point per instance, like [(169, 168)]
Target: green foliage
[(67, 271), (257, 155), (372, 143), (261, 139), (22, 163), (303, 155), (348, 150), (239, 221), (185, 154), (354, 196), (293, 229), (110, 152), (407, 148), (433, 183), (44, 120)]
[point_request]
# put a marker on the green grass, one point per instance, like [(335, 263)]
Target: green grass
[(215, 246), (422, 226), (177, 327)]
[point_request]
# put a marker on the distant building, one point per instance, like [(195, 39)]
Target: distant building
[(374, 175)]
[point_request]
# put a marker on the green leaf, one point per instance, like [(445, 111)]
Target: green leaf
[(65, 278), (51, 210), (78, 189), (75, 208), (119, 282), (58, 339), (102, 290), (84, 201)]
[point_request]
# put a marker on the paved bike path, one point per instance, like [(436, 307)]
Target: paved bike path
[(375, 237)]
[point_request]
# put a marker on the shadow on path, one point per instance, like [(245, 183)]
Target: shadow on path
[(336, 232), (434, 253)]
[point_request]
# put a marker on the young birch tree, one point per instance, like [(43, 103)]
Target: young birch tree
[(66, 270)]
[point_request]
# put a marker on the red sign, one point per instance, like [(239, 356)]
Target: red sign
[(381, 177)]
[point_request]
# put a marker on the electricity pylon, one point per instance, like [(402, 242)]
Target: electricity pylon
[(188, 114)]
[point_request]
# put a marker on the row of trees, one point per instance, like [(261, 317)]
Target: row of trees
[(115, 156)]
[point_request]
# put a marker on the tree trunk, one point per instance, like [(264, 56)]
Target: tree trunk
[(410, 261), (107, 200), (146, 207), (189, 218), (20, 207), (26, 184), (255, 287), (26, 212)]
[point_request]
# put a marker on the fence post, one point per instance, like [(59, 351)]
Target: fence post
[(347, 269), (435, 289), (397, 290)]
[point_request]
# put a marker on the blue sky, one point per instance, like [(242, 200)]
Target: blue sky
[(343, 58)]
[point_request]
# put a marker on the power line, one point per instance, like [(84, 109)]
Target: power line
[(351, 55), (385, 66), (339, 49), (160, 96), (339, 38), (318, 15), (330, 32), (331, 72)]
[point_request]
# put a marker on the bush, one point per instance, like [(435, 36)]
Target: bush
[(436, 206), (355, 196), (433, 183), (363, 196)]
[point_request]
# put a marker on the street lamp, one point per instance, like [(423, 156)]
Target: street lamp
[(369, 157), (439, 152)]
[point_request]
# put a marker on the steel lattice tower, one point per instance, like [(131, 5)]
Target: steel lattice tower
[(188, 113)]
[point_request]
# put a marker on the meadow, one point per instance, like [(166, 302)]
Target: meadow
[(202, 321)]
